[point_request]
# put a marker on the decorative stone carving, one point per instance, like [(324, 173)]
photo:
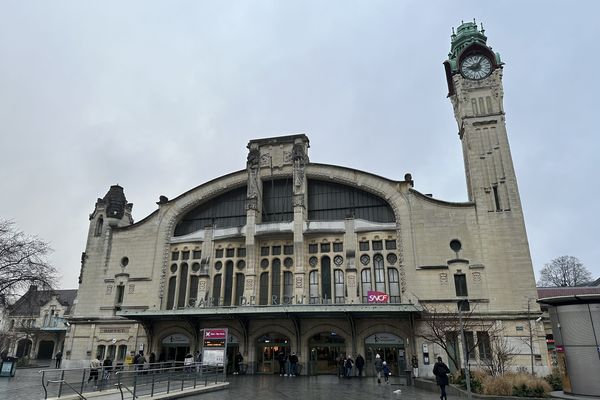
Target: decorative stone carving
[(444, 278), (108, 289), (299, 282), (253, 159), (476, 277), (298, 200), (298, 174), (351, 280), (250, 283), (265, 160), (252, 204), (131, 289), (287, 157), (298, 153), (202, 285)]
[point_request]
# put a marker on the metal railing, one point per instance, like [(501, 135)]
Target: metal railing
[(155, 378)]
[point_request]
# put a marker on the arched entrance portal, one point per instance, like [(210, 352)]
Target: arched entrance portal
[(268, 348), (325, 351), (45, 350), (23, 348), (174, 347), (390, 348)]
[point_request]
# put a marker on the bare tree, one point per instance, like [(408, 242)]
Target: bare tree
[(564, 271), (501, 352), (22, 261)]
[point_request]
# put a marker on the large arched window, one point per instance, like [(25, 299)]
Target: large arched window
[(339, 286), (288, 286), (263, 297), (365, 279), (276, 281), (228, 283), (183, 275), (313, 292), (98, 230), (379, 273), (394, 281), (193, 294), (326, 279), (171, 292), (239, 288), (216, 294)]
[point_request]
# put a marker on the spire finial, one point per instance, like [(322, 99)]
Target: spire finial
[(482, 30)]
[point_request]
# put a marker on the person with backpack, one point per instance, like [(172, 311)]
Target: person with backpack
[(378, 367), (385, 369), (441, 371)]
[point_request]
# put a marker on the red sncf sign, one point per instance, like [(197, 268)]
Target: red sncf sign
[(377, 297)]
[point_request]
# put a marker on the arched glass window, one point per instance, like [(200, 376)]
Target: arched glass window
[(340, 296), (394, 280), (183, 275), (288, 286), (326, 279), (263, 297), (193, 289), (98, 230), (313, 292), (171, 292), (379, 273), (228, 283), (100, 352), (216, 294), (365, 279), (276, 281), (239, 288)]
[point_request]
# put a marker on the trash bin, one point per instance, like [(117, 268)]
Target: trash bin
[(9, 366)]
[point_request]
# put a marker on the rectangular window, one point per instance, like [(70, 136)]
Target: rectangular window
[(394, 280), (483, 345), (219, 253), (241, 252), (365, 280), (276, 250), (230, 253), (363, 246), (390, 245), (496, 198), (120, 294), (325, 247), (264, 251), (460, 284), (469, 338), (338, 247), (175, 256), (339, 294), (377, 245), (196, 254), (288, 286), (122, 352), (488, 100), (481, 106), (185, 255), (288, 249), (313, 291), (474, 105), (313, 248)]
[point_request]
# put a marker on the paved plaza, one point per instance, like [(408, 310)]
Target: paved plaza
[(26, 385)]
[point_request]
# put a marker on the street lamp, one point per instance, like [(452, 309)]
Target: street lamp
[(464, 305)]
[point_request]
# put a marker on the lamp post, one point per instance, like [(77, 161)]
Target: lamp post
[(461, 304)]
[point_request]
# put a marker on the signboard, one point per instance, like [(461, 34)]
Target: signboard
[(213, 356), (175, 339), (377, 297), (8, 368), (384, 339), (214, 346)]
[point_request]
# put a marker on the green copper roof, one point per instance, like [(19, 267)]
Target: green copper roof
[(466, 35)]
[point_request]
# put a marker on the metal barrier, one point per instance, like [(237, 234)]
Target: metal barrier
[(155, 378)]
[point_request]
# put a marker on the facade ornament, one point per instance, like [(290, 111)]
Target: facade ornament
[(253, 159), (298, 200)]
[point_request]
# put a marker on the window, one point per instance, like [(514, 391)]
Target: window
[(377, 245), (394, 280), (338, 247), (239, 287), (488, 101), (241, 252), (193, 287), (174, 256), (288, 286), (326, 279), (313, 288), (228, 283), (197, 254), (121, 352), (379, 273), (216, 294), (185, 255), (339, 294), (264, 251), (276, 281), (120, 294), (219, 253), (276, 250), (288, 249), (183, 276), (99, 224), (365, 279), (230, 253), (481, 105), (496, 198), (483, 345), (100, 352), (470, 345), (325, 247), (474, 106), (171, 293), (390, 245), (112, 350), (460, 284), (363, 246), (263, 297), (313, 248)]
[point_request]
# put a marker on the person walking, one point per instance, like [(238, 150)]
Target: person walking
[(293, 364), (348, 365), (106, 368), (281, 358), (360, 364), (94, 367), (385, 369), (441, 371), (58, 358), (238, 360), (378, 367)]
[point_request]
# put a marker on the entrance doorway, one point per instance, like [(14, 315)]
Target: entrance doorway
[(233, 347), (325, 351), (268, 348), (391, 350), (174, 347), (23, 348), (45, 350)]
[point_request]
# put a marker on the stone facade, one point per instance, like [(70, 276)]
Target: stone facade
[(285, 252)]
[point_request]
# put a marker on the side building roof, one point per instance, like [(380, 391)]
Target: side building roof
[(31, 302)]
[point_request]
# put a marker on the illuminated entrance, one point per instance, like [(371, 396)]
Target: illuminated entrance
[(390, 348), (268, 347), (325, 351)]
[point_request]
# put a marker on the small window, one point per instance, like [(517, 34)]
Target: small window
[(313, 248), (483, 344), (325, 247), (120, 294), (496, 198), (124, 261), (230, 253), (460, 284), (185, 255), (197, 254), (288, 249), (173, 268), (481, 105), (377, 245), (241, 264), (288, 262), (338, 247), (241, 252), (219, 253), (276, 250), (175, 256), (264, 263), (488, 101), (218, 265), (390, 245), (363, 246), (195, 267), (264, 251), (474, 106)]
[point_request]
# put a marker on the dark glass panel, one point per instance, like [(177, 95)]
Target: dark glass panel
[(171, 293), (277, 201), (326, 279), (216, 294), (183, 275), (228, 283), (239, 288), (263, 298)]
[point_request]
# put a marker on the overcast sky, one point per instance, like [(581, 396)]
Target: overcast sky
[(160, 97)]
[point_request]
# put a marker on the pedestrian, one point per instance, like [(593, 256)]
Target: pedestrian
[(281, 358), (342, 366), (378, 367), (188, 361), (385, 369), (415, 366), (348, 365), (360, 364), (441, 371), (94, 367), (106, 368), (293, 364), (58, 358), (237, 363)]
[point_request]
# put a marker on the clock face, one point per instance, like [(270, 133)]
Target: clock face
[(476, 67)]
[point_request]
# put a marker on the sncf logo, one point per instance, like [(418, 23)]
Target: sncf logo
[(377, 297)]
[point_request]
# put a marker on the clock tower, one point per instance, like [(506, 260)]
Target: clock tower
[(474, 76)]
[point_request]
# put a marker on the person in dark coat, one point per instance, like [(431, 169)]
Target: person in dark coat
[(293, 364), (58, 358), (378, 367), (441, 371), (237, 363), (281, 358), (360, 364)]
